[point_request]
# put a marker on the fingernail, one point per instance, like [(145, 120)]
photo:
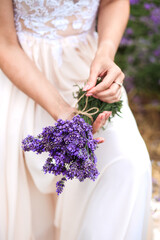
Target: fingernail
[(102, 117), (100, 140), (89, 94), (86, 87), (106, 116)]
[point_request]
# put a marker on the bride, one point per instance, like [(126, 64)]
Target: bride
[(45, 48)]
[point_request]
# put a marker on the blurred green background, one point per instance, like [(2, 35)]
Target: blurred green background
[(139, 52), (139, 58)]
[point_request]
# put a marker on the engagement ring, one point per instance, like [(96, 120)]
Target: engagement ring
[(119, 84)]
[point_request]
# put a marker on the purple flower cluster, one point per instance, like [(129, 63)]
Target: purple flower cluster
[(133, 2), (149, 6), (155, 16), (157, 52), (71, 147)]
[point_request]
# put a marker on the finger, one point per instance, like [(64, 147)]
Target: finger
[(101, 120), (98, 122), (106, 83), (100, 140), (94, 71), (103, 73), (111, 92), (116, 86), (120, 79), (107, 115), (113, 99)]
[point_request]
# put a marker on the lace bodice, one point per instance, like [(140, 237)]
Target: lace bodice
[(54, 19)]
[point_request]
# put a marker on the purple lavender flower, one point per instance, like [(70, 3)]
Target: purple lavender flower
[(148, 6), (70, 146), (60, 185), (133, 2), (155, 16), (126, 42), (129, 31), (157, 52)]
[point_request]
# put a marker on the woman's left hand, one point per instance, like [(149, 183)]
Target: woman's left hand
[(109, 90)]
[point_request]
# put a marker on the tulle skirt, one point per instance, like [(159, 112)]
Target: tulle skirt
[(114, 207)]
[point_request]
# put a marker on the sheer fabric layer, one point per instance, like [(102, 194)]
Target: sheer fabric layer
[(55, 19)]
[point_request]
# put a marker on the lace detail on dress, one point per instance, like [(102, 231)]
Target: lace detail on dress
[(54, 19)]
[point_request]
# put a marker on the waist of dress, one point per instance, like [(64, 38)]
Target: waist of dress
[(33, 45), (25, 36)]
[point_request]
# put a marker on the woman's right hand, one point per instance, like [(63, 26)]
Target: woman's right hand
[(100, 122)]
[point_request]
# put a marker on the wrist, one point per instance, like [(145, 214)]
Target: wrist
[(65, 112), (107, 47)]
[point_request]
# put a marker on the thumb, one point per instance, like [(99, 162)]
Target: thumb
[(92, 79)]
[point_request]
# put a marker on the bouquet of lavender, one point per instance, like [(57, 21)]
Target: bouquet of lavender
[(70, 146)]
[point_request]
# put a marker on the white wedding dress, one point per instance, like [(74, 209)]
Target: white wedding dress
[(59, 37)]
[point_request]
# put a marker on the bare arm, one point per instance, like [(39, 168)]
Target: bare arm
[(112, 19), (22, 71)]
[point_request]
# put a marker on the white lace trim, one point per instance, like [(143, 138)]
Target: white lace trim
[(54, 19)]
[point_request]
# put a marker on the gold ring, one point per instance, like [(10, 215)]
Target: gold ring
[(119, 84)]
